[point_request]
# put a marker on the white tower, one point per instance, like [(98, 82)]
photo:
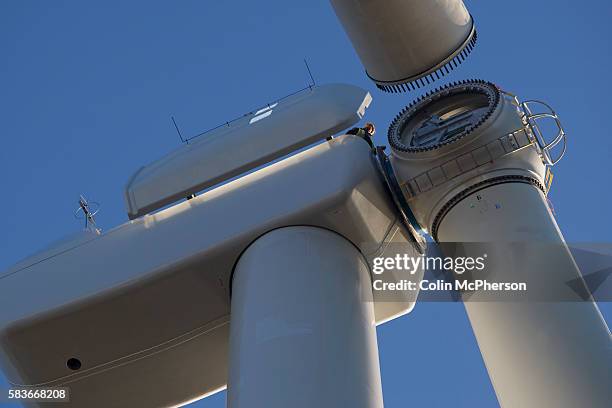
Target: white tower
[(303, 330)]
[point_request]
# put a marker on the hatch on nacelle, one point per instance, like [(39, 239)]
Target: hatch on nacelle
[(244, 144)]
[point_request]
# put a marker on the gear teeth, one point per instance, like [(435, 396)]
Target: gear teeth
[(484, 87), (438, 74)]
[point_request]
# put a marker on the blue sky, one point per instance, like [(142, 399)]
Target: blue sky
[(87, 90)]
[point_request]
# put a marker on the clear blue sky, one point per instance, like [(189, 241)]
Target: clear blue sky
[(87, 90)]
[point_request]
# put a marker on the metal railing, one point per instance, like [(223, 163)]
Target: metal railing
[(530, 119)]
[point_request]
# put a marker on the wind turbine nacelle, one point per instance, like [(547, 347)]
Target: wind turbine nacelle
[(406, 44), (138, 316)]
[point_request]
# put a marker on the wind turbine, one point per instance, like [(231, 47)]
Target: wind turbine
[(261, 280)]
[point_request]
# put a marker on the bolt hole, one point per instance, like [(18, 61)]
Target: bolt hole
[(73, 363)]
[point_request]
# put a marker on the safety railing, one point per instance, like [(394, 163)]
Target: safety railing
[(533, 113)]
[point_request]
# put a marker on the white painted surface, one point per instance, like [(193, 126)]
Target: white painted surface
[(398, 39), (302, 331), (538, 354), (242, 145), (504, 119), (145, 306), (542, 350)]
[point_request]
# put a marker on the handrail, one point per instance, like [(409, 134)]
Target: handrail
[(530, 120)]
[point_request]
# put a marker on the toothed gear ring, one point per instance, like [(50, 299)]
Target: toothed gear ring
[(443, 116)]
